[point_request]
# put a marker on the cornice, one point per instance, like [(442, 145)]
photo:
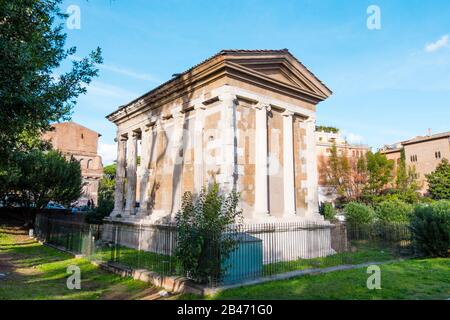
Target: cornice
[(212, 71)]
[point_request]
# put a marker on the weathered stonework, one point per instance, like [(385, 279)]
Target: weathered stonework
[(72, 139), (244, 119)]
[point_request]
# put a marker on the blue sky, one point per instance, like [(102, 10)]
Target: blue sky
[(388, 85)]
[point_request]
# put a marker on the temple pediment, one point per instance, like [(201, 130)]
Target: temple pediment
[(279, 65)]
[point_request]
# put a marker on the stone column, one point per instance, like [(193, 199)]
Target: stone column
[(178, 155), (228, 165), (288, 164), (261, 158), (147, 135), (198, 147), (131, 174), (311, 166), (120, 176)]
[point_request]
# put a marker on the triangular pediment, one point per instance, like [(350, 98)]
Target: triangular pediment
[(282, 67)]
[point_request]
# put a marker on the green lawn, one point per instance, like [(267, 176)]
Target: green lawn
[(34, 271), (363, 252), (409, 279)]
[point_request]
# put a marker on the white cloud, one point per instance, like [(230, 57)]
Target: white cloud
[(108, 152), (107, 90), (123, 71), (130, 73), (352, 137), (434, 46)]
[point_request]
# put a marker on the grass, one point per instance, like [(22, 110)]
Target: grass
[(409, 279), (138, 259), (363, 252), (34, 271)]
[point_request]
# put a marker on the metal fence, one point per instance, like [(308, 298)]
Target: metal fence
[(255, 251)]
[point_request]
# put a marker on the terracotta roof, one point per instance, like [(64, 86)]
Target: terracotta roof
[(222, 52), (427, 138)]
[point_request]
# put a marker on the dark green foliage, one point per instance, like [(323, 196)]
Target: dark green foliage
[(439, 181), (104, 208), (327, 210), (202, 242), (393, 211), (32, 94), (430, 226), (105, 196), (47, 176), (327, 129), (358, 214), (379, 173)]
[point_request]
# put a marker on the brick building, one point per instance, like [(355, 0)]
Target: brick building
[(73, 139), (422, 152)]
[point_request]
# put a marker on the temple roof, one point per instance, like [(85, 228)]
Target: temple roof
[(277, 66)]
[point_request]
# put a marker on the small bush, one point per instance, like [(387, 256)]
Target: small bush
[(393, 211), (327, 210), (202, 224), (358, 214), (430, 227)]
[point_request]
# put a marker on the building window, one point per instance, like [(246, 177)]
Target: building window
[(413, 158), (82, 136), (89, 163), (437, 154)]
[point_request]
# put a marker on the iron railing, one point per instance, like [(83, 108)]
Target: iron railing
[(257, 250)]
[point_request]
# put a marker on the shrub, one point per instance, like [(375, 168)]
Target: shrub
[(358, 214), (96, 215), (393, 211), (327, 210), (430, 227), (202, 223)]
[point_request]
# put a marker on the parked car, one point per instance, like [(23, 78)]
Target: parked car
[(54, 205)]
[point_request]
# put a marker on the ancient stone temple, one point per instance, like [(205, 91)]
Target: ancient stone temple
[(243, 118)]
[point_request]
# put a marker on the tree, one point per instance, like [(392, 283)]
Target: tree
[(406, 183), (32, 93), (379, 173), (47, 176), (439, 181), (346, 175)]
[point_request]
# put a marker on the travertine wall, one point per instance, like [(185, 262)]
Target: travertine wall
[(217, 139)]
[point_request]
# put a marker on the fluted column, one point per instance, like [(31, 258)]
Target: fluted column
[(147, 135), (178, 156), (228, 163), (120, 176), (261, 158), (131, 174), (288, 164), (311, 165), (198, 147)]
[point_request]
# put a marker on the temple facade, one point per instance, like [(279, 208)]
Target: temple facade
[(242, 118)]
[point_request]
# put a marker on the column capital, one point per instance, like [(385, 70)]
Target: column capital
[(177, 112), (262, 105), (287, 113)]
